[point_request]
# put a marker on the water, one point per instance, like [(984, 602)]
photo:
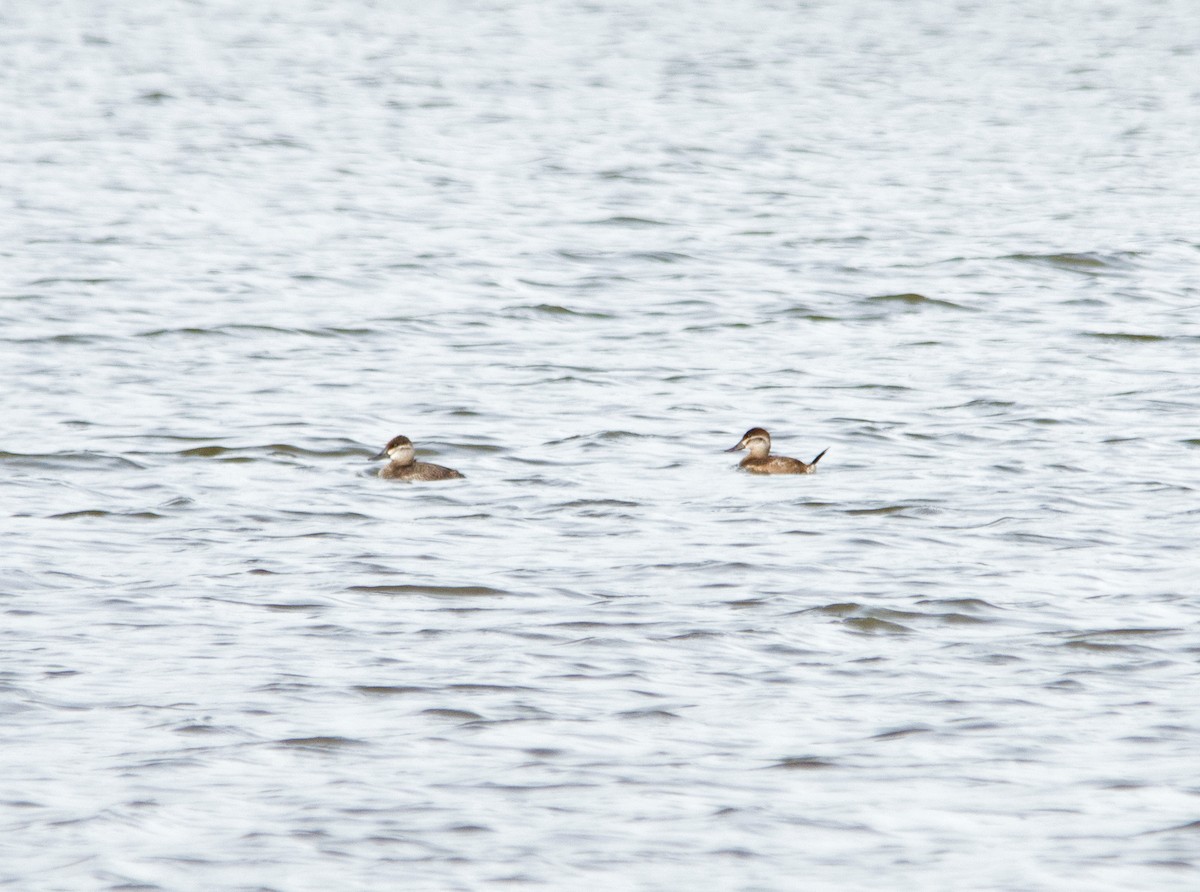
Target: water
[(575, 250)]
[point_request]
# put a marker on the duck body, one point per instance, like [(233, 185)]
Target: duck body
[(417, 470), (778, 464), (760, 461), (403, 464)]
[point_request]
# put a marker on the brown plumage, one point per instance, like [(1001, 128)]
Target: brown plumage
[(403, 464), (758, 442)]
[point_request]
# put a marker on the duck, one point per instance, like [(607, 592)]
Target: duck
[(760, 461), (403, 464)]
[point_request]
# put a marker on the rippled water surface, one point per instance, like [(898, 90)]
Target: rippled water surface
[(575, 250)]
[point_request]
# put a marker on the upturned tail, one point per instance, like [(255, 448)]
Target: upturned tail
[(818, 458)]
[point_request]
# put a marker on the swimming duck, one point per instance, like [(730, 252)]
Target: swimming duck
[(404, 465), (760, 461)]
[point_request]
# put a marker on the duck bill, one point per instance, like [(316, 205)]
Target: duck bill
[(379, 457), (741, 445)]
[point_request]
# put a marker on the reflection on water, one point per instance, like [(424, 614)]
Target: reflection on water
[(574, 251)]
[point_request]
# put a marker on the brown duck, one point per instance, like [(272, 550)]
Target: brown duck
[(758, 442), (403, 464)]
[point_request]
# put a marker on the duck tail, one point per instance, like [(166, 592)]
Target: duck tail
[(818, 458)]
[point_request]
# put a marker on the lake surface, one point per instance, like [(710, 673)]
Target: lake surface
[(575, 250)]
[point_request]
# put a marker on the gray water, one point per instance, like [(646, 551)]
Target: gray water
[(574, 250)]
